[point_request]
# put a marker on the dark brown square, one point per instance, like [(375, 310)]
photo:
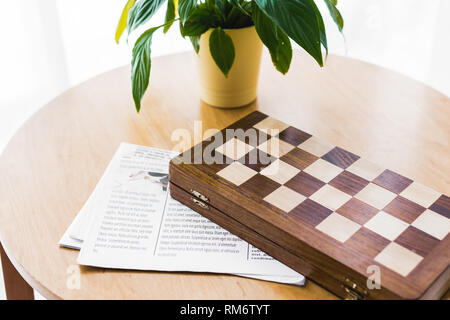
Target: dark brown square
[(248, 121), (310, 212), (204, 154), (252, 136), (210, 144), (340, 157), (304, 184), (220, 162), (349, 183), (357, 211), (299, 158), (294, 136), (367, 243), (442, 206), (259, 186), (404, 209), (417, 241), (257, 159), (392, 181)]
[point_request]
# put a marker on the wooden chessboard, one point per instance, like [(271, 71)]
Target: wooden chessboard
[(300, 191)]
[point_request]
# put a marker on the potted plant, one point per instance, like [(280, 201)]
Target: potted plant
[(227, 36)]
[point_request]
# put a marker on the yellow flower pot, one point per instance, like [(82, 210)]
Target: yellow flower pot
[(241, 85)]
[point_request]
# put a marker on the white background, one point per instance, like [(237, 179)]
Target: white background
[(48, 46)]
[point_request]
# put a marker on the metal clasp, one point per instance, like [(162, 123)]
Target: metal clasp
[(199, 195), (351, 295), (200, 204), (353, 291)]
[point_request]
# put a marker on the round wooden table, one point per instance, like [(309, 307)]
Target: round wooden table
[(52, 164)]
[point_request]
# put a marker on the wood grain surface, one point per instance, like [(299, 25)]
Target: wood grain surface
[(52, 164)]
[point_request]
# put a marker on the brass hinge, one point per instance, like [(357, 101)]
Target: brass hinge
[(200, 204), (199, 195), (351, 294), (354, 292)]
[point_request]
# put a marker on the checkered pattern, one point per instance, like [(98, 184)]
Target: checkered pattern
[(339, 194)]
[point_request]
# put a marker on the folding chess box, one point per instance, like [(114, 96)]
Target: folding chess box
[(338, 219)]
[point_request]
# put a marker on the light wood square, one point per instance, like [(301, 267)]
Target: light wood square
[(316, 146), (237, 173), (365, 169), (398, 259), (375, 196), (420, 194), (234, 149), (271, 126), (386, 225), (280, 171), (276, 147), (285, 198), (330, 197), (433, 223), (338, 227), (323, 170)]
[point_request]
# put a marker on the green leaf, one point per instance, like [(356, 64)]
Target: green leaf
[(266, 30), (193, 29), (274, 39), (222, 50), (200, 21), (237, 19), (323, 33), (195, 40), (140, 66), (335, 14), (142, 12), (220, 7), (123, 20), (238, 5), (284, 52), (170, 15), (185, 9), (298, 19)]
